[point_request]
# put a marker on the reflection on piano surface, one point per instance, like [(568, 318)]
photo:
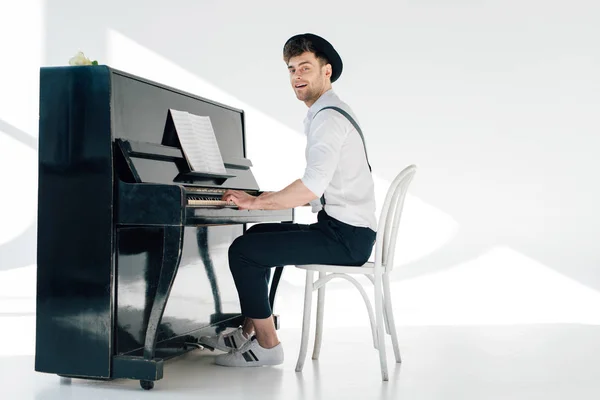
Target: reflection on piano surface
[(124, 225)]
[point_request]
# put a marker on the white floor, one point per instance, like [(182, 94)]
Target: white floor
[(508, 362), (474, 341)]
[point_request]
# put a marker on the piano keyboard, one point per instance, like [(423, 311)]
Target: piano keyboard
[(197, 202), (207, 197), (210, 197)]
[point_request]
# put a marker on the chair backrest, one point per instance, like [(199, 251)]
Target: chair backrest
[(387, 232)]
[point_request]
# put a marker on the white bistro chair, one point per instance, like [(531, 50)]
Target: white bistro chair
[(377, 272)]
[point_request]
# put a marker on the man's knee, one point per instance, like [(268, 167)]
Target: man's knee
[(236, 250), (255, 229), (236, 246)]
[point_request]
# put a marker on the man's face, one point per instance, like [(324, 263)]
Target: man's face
[(308, 78)]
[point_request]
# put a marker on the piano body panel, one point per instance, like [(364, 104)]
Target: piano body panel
[(202, 295), (140, 113), (150, 204), (74, 246)]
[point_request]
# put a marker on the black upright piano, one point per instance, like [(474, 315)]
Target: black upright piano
[(132, 263)]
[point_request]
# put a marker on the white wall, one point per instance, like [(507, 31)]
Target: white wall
[(495, 101)]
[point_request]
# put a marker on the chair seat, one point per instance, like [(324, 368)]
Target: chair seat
[(365, 269)]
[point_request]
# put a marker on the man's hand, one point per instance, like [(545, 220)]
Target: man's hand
[(243, 200), (293, 195)]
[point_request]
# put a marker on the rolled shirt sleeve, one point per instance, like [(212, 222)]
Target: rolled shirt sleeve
[(324, 145)]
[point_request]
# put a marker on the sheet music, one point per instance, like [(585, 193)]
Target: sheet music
[(198, 142)]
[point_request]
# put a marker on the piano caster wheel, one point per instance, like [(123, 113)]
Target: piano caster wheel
[(147, 385)]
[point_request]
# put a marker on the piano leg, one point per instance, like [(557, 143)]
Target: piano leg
[(202, 236), (172, 248)]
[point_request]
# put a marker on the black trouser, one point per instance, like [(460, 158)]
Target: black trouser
[(264, 246)]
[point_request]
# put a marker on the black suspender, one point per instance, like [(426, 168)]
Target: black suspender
[(353, 122)]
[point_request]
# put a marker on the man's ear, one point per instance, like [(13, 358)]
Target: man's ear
[(328, 70)]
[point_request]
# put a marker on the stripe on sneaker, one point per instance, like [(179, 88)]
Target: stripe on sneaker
[(227, 341), (247, 356), (233, 341), (253, 355)]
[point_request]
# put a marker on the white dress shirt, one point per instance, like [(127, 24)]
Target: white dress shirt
[(336, 164)]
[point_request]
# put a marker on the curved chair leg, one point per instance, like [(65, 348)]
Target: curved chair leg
[(364, 295), (308, 290), (320, 310), (380, 327), (372, 318), (386, 320), (390, 315)]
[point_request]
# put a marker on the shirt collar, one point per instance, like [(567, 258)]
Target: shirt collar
[(326, 98)]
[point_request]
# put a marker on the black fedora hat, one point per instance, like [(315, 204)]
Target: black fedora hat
[(326, 49)]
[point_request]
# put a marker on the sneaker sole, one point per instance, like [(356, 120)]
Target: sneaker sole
[(251, 365)]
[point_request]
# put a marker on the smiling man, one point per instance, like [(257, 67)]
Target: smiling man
[(338, 185)]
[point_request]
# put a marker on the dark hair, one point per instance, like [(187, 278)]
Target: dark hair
[(296, 46)]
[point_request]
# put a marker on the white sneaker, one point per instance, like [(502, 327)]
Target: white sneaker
[(225, 342), (251, 355)]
